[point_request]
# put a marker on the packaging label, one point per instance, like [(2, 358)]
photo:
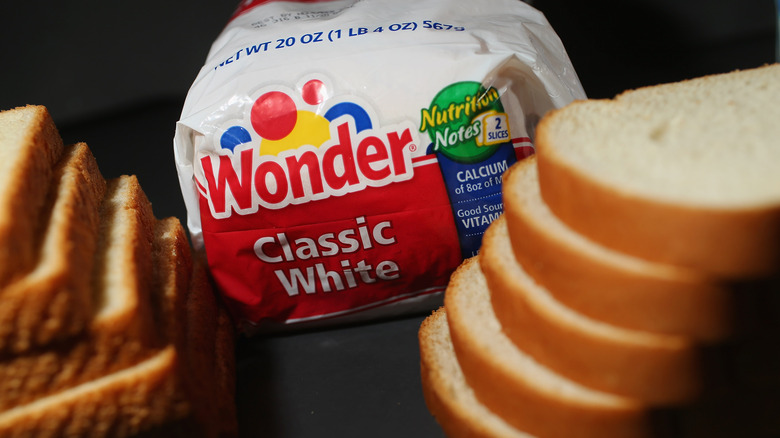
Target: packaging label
[(290, 200), (471, 136)]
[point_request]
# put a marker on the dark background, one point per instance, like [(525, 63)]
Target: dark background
[(115, 74)]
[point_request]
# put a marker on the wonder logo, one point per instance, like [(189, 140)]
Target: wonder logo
[(290, 154)]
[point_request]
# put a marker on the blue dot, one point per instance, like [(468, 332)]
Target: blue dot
[(234, 136)]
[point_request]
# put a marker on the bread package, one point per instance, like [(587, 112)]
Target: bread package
[(340, 158)]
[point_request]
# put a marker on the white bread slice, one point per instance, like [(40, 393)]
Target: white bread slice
[(447, 395), (510, 383), (122, 280), (685, 173), (122, 331), (30, 146), (54, 300), (653, 368), (607, 285), (155, 397), (527, 396)]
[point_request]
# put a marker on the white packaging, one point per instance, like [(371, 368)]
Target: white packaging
[(338, 159)]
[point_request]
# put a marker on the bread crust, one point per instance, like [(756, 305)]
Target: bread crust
[(729, 243)]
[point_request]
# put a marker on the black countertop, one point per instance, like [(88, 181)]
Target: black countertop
[(360, 380)]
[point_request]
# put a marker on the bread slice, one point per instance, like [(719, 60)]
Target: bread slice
[(172, 268), (122, 331), (209, 355), (199, 327), (607, 285), (118, 404), (685, 173), (447, 395), (162, 395), (653, 368), (30, 146), (510, 383), (54, 301), (478, 383)]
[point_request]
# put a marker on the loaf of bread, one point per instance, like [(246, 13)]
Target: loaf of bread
[(114, 328), (606, 301)]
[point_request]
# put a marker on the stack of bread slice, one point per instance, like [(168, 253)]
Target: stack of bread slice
[(631, 287), (108, 323)]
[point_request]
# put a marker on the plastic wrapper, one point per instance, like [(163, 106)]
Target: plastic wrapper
[(339, 159)]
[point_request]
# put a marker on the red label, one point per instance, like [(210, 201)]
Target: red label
[(336, 255)]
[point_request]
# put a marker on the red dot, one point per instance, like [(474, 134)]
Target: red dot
[(313, 92), (274, 115)]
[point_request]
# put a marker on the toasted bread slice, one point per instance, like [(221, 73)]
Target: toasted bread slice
[(685, 173), (166, 394), (30, 146), (54, 301), (122, 331)]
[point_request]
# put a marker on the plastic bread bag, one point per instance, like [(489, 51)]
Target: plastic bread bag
[(339, 159)]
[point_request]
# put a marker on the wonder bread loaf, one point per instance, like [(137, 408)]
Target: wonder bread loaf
[(153, 354), (567, 325)]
